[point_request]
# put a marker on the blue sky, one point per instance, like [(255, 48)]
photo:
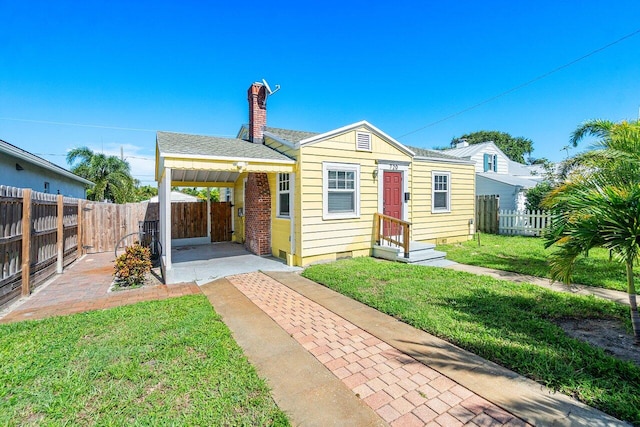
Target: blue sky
[(402, 65)]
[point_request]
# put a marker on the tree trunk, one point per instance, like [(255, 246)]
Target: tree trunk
[(635, 318)]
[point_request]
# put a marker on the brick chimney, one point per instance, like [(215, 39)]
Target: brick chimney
[(257, 95)]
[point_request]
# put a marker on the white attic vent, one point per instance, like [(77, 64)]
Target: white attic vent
[(363, 141)]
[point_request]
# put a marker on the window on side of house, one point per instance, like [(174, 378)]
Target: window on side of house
[(341, 190), (47, 187), (441, 194), (491, 162), (284, 195)]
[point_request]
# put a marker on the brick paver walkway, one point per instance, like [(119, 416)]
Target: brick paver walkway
[(403, 391), (84, 286)]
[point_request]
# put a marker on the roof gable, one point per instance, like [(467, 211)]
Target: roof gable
[(323, 136)]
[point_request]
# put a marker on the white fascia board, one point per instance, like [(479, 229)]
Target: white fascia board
[(352, 126), (35, 160), (225, 158), (441, 160)]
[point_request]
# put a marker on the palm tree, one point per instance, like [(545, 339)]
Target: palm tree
[(111, 175), (599, 204)]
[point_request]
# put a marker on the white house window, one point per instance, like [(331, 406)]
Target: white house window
[(491, 162), (284, 195), (341, 190), (441, 196)]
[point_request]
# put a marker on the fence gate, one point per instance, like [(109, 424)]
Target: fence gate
[(221, 222), (487, 208)]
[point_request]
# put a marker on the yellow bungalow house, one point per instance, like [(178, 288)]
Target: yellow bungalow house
[(309, 197)]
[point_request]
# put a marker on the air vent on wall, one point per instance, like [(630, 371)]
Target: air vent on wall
[(363, 141)]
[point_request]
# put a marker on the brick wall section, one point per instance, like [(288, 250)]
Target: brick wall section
[(257, 96), (257, 208)]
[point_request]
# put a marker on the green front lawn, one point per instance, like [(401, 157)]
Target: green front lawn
[(510, 324), (170, 362), (527, 255)]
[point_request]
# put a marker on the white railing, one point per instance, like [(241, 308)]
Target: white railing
[(524, 223)]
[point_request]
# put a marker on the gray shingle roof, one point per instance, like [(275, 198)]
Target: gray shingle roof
[(290, 135), (423, 152), (200, 145)]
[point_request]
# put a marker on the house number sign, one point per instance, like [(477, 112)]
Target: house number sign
[(393, 167)]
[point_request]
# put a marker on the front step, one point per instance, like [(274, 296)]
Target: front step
[(419, 253)]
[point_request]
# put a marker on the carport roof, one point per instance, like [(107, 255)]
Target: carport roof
[(176, 144)]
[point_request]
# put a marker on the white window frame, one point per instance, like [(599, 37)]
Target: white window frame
[(341, 167), (433, 192), (280, 191)]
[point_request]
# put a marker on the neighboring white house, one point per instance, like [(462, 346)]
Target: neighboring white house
[(19, 168), (497, 174), (178, 196)]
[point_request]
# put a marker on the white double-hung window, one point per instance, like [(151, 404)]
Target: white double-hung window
[(441, 194), (284, 195), (340, 190)]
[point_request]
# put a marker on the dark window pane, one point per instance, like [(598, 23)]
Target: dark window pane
[(440, 200), (284, 204)]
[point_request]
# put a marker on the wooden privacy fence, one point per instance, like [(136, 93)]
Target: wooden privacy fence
[(188, 219), (491, 219), (523, 223), (38, 237), (40, 234), (106, 224), (487, 210)]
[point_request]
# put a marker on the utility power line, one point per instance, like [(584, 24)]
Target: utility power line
[(520, 86), (48, 122)]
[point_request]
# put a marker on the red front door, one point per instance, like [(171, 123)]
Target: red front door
[(392, 202)]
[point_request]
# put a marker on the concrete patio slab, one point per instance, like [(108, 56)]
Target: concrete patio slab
[(205, 263)]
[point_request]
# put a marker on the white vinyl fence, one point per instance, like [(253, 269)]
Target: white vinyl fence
[(524, 223)]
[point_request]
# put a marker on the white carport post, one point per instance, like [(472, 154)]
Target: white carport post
[(209, 213), (164, 197)]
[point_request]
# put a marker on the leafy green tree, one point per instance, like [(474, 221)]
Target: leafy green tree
[(145, 192), (200, 192), (600, 202), (537, 194), (110, 174), (514, 147)]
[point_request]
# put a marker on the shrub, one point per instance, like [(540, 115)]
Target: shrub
[(536, 195), (133, 265)]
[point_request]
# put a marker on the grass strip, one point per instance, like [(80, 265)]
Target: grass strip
[(170, 362), (510, 324), (527, 255)]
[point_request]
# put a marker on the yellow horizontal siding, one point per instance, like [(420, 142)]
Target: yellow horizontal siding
[(454, 225), (322, 239)]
